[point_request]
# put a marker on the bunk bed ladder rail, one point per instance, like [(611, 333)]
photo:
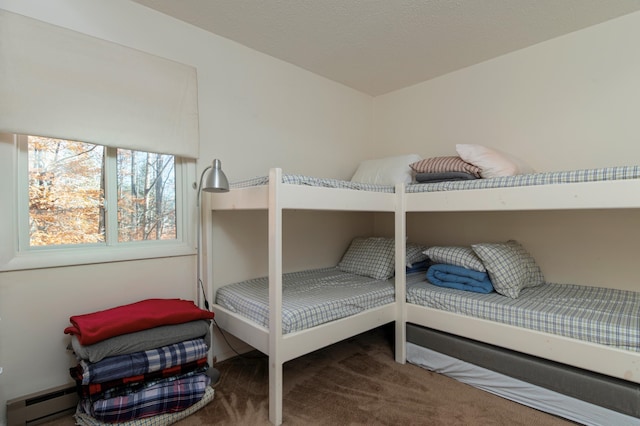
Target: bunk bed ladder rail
[(401, 276), (275, 298)]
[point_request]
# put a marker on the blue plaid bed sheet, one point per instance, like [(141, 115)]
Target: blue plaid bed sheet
[(119, 366), (309, 298), (161, 398), (544, 178), (599, 315)]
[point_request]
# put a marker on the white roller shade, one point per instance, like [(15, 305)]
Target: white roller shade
[(60, 83)]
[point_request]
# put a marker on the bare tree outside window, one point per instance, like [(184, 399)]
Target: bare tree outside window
[(146, 196), (66, 192)]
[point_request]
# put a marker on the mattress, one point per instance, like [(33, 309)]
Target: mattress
[(599, 315), (309, 298), (546, 178), (314, 181), (580, 395)]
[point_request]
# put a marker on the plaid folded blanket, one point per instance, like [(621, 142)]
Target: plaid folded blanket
[(166, 419), (117, 367), (125, 385), (112, 393), (166, 397)]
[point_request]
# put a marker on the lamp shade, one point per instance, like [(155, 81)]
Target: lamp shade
[(216, 180)]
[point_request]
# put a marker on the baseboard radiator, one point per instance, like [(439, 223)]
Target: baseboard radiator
[(42, 406)]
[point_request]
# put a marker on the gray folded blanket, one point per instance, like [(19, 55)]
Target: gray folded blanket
[(142, 340), (443, 177)]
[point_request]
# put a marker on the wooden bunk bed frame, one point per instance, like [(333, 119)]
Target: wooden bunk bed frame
[(277, 196), (617, 194)]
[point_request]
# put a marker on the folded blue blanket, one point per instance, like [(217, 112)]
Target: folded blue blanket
[(452, 276)]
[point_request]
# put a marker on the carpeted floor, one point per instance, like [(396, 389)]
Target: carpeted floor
[(354, 382)]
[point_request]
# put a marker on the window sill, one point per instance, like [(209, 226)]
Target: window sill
[(58, 257)]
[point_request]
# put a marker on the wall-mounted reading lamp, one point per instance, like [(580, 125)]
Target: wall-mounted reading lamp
[(216, 182)]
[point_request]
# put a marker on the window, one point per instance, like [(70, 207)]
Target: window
[(146, 196), (70, 199), (80, 202), (66, 192)]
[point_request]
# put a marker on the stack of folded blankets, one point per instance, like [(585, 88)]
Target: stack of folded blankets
[(146, 360)]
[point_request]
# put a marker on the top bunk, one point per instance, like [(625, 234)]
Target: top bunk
[(290, 191), (602, 188)]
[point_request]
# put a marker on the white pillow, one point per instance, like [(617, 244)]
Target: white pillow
[(492, 163), (386, 171)]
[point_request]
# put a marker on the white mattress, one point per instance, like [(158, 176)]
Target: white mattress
[(309, 298), (545, 178), (599, 315), (314, 181)]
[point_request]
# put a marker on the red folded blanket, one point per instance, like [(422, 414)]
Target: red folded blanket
[(97, 326)]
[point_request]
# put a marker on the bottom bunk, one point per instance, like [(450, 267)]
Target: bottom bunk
[(319, 307), (556, 341), (576, 394)]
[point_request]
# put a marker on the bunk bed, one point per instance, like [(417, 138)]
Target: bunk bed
[(608, 188), (276, 193), (573, 366)]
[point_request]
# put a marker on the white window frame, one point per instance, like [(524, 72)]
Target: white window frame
[(16, 254)]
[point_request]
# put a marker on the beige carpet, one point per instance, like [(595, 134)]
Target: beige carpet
[(354, 382)]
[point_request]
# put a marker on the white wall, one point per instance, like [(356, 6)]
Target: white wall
[(568, 103), (256, 112)]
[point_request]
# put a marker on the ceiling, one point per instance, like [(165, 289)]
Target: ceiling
[(377, 46)]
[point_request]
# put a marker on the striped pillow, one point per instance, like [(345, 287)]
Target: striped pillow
[(445, 164)]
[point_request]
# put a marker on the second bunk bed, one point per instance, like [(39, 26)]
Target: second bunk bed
[(578, 341)]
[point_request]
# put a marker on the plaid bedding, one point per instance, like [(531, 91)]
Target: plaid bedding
[(130, 390), (125, 385), (309, 298), (161, 398), (85, 419), (119, 366), (546, 178), (599, 315), (314, 181)]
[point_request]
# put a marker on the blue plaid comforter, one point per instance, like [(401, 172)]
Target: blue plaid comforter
[(119, 366)]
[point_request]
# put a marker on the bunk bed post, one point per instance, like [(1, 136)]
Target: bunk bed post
[(275, 298), (401, 276)]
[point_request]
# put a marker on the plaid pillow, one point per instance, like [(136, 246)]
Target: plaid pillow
[(415, 254), (372, 257), (511, 268), (445, 164), (458, 256)]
